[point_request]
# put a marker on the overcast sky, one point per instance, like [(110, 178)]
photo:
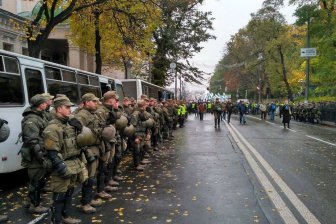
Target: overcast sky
[(229, 17)]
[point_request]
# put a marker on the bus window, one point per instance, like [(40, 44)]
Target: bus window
[(34, 82), (11, 89), (82, 79), (53, 73), (112, 84), (11, 65), (69, 76), (90, 89), (104, 87), (2, 68), (94, 81), (120, 92), (69, 89)]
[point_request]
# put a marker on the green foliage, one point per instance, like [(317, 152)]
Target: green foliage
[(281, 68), (184, 27)]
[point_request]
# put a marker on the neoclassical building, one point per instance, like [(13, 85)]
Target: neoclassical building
[(57, 48)]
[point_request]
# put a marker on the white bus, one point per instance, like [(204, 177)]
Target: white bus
[(137, 87), (22, 77)]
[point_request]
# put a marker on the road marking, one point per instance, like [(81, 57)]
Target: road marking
[(297, 203), (280, 206), (34, 221), (289, 129), (321, 140), (253, 117), (270, 122)]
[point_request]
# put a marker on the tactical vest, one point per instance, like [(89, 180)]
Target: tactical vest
[(68, 145), (93, 122)]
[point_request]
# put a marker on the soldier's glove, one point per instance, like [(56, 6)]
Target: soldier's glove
[(38, 153), (88, 155), (2, 122), (112, 118), (74, 122), (58, 164)]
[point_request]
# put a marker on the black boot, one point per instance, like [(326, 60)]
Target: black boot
[(109, 172), (67, 203), (87, 191), (57, 208), (136, 155), (101, 177)]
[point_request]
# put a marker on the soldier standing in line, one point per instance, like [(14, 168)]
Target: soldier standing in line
[(128, 110), (50, 98), (154, 111), (3, 125), (60, 143), (89, 118), (217, 111), (142, 134), (115, 117), (33, 152)]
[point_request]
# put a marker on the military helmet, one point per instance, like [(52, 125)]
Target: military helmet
[(86, 137), (121, 123), (4, 132), (129, 131), (149, 123), (108, 133)]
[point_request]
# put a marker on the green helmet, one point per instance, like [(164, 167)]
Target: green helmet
[(4, 132), (129, 131), (86, 137), (121, 123), (149, 123), (108, 133)]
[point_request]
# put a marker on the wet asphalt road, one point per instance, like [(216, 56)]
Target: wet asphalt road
[(202, 177)]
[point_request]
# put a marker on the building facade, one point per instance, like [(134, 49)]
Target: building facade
[(57, 48)]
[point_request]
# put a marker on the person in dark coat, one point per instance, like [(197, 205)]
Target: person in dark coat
[(285, 112), (201, 110)]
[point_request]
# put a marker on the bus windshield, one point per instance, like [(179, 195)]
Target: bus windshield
[(120, 91)]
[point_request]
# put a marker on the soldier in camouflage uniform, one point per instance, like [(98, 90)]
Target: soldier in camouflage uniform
[(142, 135), (154, 111), (89, 118), (112, 114), (60, 143), (50, 98), (32, 152)]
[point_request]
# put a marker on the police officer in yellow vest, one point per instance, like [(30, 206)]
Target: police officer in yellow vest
[(60, 143)]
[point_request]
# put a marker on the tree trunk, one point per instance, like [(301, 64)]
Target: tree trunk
[(97, 44), (284, 74)]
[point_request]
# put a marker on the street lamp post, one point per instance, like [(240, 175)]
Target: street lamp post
[(173, 66), (260, 57), (180, 76), (307, 62)]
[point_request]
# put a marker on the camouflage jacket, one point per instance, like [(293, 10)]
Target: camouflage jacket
[(33, 124), (61, 137)]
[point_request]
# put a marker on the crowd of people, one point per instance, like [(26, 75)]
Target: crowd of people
[(85, 147), (223, 110)]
